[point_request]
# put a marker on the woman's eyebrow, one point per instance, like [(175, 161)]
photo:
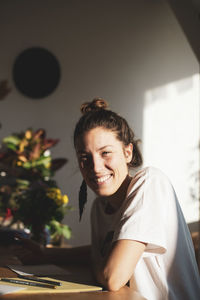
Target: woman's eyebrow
[(106, 146), (82, 151)]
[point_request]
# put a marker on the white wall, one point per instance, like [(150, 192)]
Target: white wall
[(115, 49)]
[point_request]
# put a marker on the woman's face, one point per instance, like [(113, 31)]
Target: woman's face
[(103, 160)]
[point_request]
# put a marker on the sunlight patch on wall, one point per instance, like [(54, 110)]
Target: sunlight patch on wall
[(171, 138)]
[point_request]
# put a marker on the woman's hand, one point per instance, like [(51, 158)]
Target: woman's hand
[(29, 252)]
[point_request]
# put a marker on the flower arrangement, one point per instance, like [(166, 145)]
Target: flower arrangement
[(28, 193)]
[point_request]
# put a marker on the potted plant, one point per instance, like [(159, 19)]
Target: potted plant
[(29, 196)]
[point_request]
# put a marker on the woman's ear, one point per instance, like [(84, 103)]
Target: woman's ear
[(128, 151)]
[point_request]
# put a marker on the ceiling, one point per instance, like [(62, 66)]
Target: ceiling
[(188, 15)]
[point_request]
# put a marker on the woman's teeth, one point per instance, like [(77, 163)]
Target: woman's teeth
[(103, 178)]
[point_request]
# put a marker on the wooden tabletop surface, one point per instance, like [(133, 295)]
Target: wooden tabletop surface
[(78, 274)]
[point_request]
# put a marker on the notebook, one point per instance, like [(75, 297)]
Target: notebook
[(66, 287), (48, 272)]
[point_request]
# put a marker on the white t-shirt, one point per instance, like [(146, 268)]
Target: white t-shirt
[(151, 214)]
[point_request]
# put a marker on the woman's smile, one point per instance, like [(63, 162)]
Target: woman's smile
[(102, 179)]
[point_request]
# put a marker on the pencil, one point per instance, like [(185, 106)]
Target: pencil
[(40, 280), (16, 281)]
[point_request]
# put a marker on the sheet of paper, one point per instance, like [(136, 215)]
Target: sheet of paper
[(66, 287), (38, 270), (7, 289)]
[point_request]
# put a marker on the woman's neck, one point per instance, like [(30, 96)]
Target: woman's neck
[(115, 201)]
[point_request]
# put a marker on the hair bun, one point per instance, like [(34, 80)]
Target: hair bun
[(94, 105)]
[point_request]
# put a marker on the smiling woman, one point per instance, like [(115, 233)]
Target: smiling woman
[(105, 146), (129, 217), (131, 231)]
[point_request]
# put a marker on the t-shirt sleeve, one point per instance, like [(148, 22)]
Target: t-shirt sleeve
[(146, 216)]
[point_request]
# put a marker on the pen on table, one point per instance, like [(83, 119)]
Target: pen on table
[(28, 283), (40, 280)]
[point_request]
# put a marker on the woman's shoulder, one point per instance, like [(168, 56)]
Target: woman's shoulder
[(145, 176), (150, 172), (149, 186)]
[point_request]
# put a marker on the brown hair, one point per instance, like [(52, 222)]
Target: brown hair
[(97, 114)]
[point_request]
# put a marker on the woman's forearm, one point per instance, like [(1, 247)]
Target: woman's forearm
[(74, 255), (116, 269)]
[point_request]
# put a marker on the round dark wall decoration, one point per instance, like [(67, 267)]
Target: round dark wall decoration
[(36, 72)]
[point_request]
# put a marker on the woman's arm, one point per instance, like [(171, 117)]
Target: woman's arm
[(116, 270), (31, 252), (74, 255)]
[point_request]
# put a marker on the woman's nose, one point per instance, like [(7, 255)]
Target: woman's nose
[(97, 164)]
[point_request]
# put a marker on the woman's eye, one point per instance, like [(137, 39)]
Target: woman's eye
[(83, 158), (83, 161), (106, 153)]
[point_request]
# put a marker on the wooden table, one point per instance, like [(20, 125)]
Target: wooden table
[(79, 274)]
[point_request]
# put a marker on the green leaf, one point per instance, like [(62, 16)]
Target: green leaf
[(66, 231), (28, 165), (57, 228), (44, 160), (11, 139), (11, 146), (23, 182)]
